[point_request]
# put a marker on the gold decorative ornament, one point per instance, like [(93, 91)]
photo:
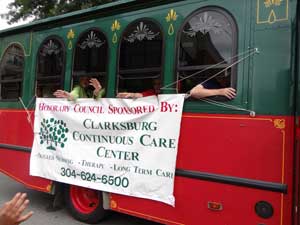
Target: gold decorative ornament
[(70, 36), (114, 28), (171, 16), (269, 3), (279, 123), (272, 11)]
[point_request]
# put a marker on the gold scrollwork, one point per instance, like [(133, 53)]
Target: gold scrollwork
[(269, 3), (114, 28), (70, 36), (271, 11), (172, 16), (279, 123)]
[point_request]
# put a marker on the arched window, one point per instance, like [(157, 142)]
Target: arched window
[(50, 67), (11, 72), (140, 57), (208, 43), (91, 56)]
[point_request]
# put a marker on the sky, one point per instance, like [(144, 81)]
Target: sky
[(3, 9)]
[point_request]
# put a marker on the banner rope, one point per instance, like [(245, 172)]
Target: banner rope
[(221, 104), (27, 111), (251, 51)]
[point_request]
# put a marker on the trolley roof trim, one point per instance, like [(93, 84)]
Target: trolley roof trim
[(90, 13)]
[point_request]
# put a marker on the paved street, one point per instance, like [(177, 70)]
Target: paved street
[(39, 202)]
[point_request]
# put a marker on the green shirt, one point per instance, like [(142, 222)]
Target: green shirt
[(80, 92)]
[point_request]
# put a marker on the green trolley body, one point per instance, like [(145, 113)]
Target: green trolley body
[(238, 160)]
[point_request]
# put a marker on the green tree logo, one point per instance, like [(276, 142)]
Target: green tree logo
[(53, 133)]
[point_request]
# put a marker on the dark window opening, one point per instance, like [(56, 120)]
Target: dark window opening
[(140, 59), (50, 67), (91, 56), (207, 43), (11, 73)]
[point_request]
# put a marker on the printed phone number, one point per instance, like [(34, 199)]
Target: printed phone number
[(104, 179)]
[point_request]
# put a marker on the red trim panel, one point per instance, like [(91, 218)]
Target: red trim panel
[(258, 148), (16, 130)]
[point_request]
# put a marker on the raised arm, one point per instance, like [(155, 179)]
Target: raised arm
[(201, 92), (11, 213), (129, 95), (98, 90)]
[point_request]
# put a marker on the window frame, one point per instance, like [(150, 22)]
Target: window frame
[(21, 80), (141, 70), (64, 52), (235, 41), (104, 74)]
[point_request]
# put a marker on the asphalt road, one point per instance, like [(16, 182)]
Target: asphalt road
[(39, 202)]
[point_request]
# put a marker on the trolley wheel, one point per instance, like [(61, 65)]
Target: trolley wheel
[(84, 204)]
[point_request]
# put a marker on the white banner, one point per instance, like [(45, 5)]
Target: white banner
[(124, 146)]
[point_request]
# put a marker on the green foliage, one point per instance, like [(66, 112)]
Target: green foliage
[(53, 133), (40, 9)]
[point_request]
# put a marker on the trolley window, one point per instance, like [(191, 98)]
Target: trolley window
[(91, 56), (11, 72), (207, 46), (140, 56), (50, 67)]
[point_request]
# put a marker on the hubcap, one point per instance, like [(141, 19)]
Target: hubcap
[(84, 200)]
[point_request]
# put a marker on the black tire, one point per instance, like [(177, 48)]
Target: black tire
[(84, 204)]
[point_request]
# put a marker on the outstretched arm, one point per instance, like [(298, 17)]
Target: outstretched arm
[(96, 84), (129, 95), (201, 92), (63, 94), (72, 96), (11, 213)]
